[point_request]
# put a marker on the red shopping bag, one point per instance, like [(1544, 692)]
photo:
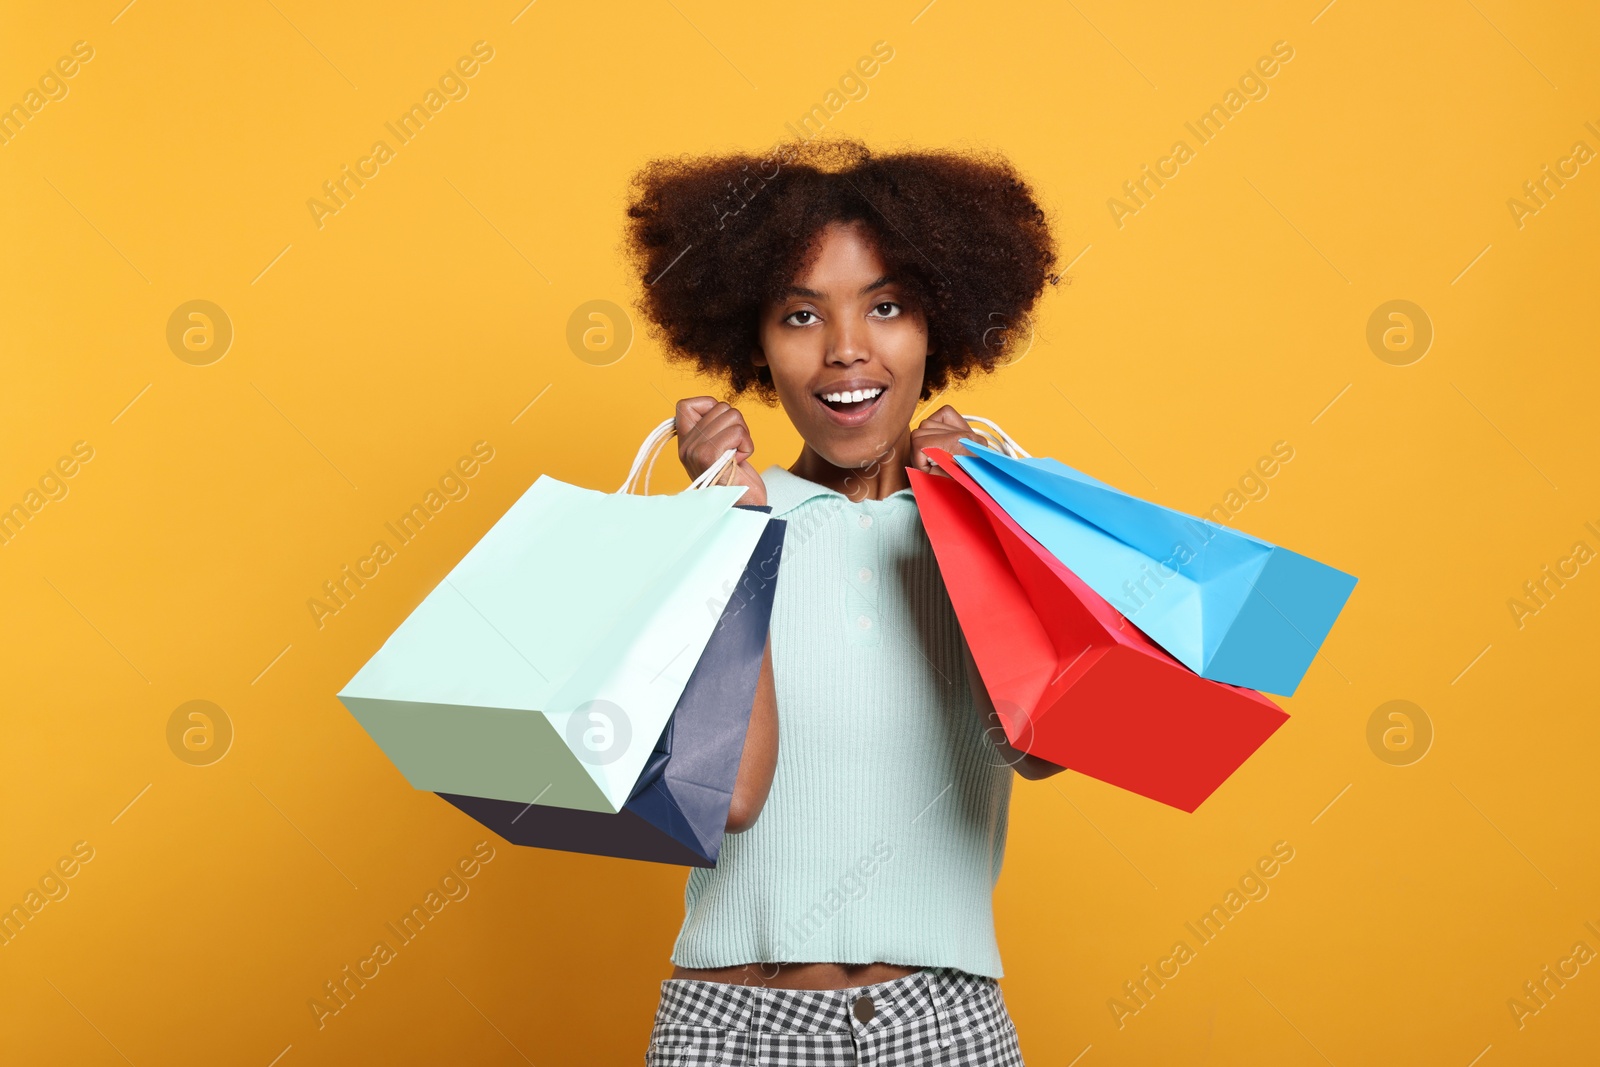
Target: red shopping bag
[(1072, 680)]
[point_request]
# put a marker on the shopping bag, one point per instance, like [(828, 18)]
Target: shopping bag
[(1071, 681), (679, 806), (1232, 607), (545, 664)]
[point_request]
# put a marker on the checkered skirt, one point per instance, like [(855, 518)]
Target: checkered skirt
[(937, 1017)]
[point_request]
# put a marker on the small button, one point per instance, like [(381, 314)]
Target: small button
[(864, 622), (865, 521), (865, 574), (864, 1009)]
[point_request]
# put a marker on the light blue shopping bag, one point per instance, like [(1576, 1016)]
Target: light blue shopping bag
[(544, 666), (1231, 607)]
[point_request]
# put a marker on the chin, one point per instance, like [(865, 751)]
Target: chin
[(866, 447)]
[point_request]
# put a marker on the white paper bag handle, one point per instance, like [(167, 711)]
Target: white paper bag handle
[(655, 440), (1002, 441), (723, 464)]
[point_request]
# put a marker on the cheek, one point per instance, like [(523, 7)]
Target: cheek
[(792, 357), (781, 360), (907, 355)]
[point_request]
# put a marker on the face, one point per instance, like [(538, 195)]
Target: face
[(847, 350)]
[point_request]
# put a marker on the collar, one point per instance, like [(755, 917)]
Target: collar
[(787, 491)]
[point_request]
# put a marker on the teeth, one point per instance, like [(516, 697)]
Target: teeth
[(854, 396)]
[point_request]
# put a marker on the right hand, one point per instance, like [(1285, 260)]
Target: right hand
[(708, 427)]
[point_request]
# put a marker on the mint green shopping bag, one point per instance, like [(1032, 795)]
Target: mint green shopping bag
[(545, 665)]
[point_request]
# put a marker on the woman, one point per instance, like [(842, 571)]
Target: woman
[(852, 921)]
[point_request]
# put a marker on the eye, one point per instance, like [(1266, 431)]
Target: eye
[(893, 313), (802, 311)]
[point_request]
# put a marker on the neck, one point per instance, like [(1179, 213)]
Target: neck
[(876, 479)]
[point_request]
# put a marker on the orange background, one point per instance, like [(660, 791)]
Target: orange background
[(1229, 313)]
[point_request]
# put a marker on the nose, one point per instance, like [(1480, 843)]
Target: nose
[(849, 343)]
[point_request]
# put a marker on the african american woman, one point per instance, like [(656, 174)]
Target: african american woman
[(850, 916)]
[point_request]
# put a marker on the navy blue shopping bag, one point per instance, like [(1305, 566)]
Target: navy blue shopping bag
[(679, 805)]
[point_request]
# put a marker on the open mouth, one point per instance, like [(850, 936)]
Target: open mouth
[(851, 405)]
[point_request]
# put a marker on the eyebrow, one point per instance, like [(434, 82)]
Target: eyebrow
[(795, 290)]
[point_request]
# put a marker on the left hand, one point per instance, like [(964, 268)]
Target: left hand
[(943, 429)]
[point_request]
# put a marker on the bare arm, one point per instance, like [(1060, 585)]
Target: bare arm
[(706, 427), (1029, 766), (760, 756)]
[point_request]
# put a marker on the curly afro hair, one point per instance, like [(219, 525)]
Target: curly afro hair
[(715, 238)]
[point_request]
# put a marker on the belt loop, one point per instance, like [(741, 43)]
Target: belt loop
[(758, 1023), (941, 1017), (737, 1039)]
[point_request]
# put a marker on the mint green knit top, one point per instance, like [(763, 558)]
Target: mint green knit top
[(882, 836)]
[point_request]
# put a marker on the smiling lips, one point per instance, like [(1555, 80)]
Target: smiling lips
[(851, 407)]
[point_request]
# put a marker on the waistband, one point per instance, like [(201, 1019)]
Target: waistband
[(958, 1000)]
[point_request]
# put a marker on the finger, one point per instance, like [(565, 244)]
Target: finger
[(706, 423), (690, 411), (949, 418), (949, 442), (746, 474), (719, 433), (735, 436), (717, 425)]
